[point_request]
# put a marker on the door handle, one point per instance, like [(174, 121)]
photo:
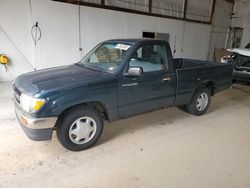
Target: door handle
[(129, 85), (167, 78)]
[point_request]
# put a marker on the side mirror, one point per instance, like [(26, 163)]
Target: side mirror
[(135, 71)]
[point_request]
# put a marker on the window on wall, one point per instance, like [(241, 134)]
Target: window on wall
[(168, 7), (92, 1), (140, 5), (199, 10), (81, 1), (148, 34), (162, 36), (190, 10)]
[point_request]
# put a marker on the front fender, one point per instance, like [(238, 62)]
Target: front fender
[(66, 99)]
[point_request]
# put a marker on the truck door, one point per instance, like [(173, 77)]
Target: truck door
[(154, 89)]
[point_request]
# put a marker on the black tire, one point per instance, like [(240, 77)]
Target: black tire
[(193, 107), (66, 123)]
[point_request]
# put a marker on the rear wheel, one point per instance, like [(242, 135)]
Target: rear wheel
[(80, 128), (200, 102)]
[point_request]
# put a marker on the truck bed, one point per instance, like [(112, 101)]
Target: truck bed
[(191, 63), (191, 73)]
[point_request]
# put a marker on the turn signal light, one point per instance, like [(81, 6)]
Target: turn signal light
[(23, 121)]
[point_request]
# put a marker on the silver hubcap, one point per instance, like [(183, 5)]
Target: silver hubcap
[(202, 101), (82, 130)]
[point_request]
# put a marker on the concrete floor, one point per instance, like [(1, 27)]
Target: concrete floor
[(167, 148)]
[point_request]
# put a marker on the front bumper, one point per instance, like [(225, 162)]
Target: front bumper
[(37, 129)]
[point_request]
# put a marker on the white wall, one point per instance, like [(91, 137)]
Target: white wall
[(59, 25), (15, 40), (196, 41), (220, 26), (242, 19)]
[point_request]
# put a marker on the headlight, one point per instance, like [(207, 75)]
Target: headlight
[(31, 104)]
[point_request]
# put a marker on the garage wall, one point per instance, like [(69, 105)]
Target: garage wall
[(196, 38), (242, 19), (220, 26), (15, 40), (59, 24)]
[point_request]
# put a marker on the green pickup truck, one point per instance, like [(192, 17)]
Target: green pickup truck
[(117, 79)]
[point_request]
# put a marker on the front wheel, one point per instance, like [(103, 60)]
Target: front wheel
[(80, 128), (200, 102)]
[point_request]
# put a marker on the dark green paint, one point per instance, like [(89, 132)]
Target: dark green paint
[(67, 86)]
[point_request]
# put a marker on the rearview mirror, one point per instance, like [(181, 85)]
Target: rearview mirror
[(135, 71)]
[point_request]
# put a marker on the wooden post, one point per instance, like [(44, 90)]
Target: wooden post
[(150, 6), (211, 12), (185, 9)]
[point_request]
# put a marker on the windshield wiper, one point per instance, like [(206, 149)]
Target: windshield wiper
[(95, 68), (79, 64)]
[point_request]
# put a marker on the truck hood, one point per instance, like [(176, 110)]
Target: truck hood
[(57, 78)]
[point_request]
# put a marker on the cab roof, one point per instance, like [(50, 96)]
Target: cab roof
[(133, 40)]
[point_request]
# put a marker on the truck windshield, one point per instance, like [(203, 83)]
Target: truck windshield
[(106, 57)]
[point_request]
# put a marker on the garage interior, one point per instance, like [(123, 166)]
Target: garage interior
[(165, 148)]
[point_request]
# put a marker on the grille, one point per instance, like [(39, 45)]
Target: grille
[(17, 93)]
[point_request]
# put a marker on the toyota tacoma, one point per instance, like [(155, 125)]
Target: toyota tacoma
[(117, 79)]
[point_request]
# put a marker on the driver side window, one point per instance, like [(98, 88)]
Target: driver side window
[(150, 58)]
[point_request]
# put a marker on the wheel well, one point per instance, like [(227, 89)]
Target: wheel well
[(210, 85), (100, 107), (93, 104)]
